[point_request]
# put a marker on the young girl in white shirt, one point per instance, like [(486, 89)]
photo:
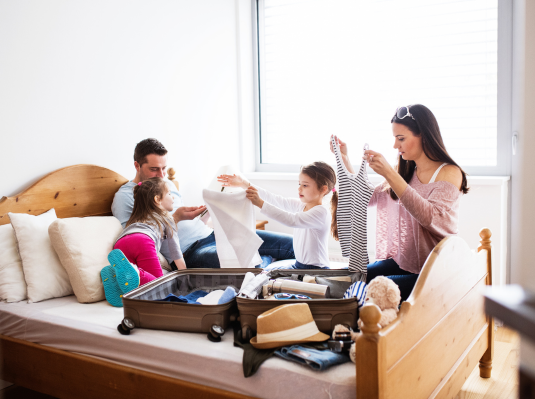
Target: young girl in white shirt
[(309, 218)]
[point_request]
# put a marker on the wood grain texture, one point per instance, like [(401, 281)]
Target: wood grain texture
[(449, 273), (485, 364), (69, 375), (74, 191), (504, 380)]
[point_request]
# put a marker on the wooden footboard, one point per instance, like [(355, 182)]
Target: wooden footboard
[(440, 334)]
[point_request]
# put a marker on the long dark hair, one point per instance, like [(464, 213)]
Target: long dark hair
[(145, 208), (324, 175), (424, 125)]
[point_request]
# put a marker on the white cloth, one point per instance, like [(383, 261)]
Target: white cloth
[(212, 298), (234, 227), (311, 228)]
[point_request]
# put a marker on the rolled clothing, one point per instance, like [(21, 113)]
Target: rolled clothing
[(316, 359)]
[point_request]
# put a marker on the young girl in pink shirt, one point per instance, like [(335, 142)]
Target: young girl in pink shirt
[(134, 259), (418, 203)]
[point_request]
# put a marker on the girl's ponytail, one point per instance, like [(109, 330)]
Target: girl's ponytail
[(334, 222)]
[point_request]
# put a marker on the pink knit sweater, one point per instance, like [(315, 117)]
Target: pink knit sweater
[(408, 229)]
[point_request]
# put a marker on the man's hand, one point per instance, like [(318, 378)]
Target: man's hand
[(188, 212), (252, 194)]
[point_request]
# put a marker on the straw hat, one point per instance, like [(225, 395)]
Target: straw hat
[(286, 325)]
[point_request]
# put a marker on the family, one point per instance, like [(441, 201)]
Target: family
[(417, 206)]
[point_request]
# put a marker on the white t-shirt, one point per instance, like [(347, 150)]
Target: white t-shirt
[(311, 228)]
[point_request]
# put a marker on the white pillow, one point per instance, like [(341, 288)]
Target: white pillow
[(44, 275), (83, 245), (12, 283)]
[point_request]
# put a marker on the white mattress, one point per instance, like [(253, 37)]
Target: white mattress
[(91, 329)]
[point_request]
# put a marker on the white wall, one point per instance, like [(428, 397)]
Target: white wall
[(84, 81), (523, 163)]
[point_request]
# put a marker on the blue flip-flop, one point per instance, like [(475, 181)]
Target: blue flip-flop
[(112, 291), (127, 276)]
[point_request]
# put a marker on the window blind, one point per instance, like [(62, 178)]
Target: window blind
[(343, 67)]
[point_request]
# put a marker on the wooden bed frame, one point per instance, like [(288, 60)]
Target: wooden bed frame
[(429, 351)]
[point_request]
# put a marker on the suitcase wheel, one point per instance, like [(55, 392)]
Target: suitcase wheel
[(246, 333), (126, 326), (215, 333)]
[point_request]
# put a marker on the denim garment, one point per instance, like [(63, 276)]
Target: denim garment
[(190, 298), (299, 265), (315, 359), (203, 253), (389, 268)]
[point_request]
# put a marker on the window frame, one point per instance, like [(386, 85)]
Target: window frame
[(504, 93)]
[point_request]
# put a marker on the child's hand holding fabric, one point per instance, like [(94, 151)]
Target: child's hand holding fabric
[(252, 194), (233, 181)]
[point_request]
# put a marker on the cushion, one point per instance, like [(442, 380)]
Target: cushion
[(83, 245), (44, 275), (12, 283)]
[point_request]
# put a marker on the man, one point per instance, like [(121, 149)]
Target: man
[(197, 241)]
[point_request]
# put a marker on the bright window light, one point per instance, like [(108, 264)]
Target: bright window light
[(343, 67)]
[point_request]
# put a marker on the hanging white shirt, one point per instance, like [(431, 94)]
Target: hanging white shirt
[(311, 228), (233, 217)]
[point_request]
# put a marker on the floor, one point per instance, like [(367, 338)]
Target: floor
[(502, 385), (504, 381)]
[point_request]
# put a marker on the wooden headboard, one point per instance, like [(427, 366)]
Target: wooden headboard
[(74, 191)]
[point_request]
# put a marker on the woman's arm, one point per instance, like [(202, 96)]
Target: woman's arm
[(433, 214), (315, 218), (344, 152)]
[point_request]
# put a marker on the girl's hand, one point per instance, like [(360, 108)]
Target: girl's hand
[(252, 194), (344, 152), (233, 181), (180, 264), (378, 163), (341, 144)]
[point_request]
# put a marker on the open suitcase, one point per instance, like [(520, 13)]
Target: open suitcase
[(142, 307), (326, 312)]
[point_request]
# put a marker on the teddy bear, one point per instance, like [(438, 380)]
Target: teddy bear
[(384, 293)]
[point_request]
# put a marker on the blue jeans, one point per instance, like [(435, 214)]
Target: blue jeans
[(389, 268), (203, 253), (315, 359)]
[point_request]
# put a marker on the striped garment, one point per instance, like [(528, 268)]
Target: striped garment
[(354, 193), (357, 290)]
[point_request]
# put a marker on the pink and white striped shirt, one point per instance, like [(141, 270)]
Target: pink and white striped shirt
[(408, 229)]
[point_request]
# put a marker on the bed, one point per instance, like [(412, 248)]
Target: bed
[(439, 337)]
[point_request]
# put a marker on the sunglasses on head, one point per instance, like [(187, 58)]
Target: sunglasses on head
[(403, 112), (284, 295)]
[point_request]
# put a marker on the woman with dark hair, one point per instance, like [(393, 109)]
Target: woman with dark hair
[(418, 203)]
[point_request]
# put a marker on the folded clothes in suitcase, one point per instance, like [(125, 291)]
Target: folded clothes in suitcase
[(326, 312), (144, 307)]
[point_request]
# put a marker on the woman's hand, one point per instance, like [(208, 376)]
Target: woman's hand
[(378, 163), (252, 194), (380, 166), (233, 181), (343, 151)]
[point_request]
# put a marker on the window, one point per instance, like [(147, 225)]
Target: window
[(343, 67)]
